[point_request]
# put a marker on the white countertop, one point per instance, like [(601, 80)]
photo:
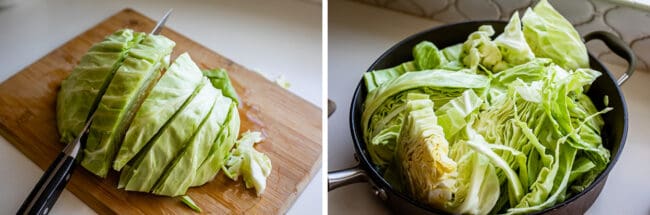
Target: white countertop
[(281, 37), (358, 34)]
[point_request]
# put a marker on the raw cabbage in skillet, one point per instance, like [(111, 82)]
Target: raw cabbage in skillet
[(521, 133)]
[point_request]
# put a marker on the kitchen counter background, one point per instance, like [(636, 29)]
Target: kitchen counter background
[(623, 18), (281, 37), (359, 33)]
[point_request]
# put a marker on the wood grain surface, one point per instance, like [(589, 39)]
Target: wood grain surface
[(291, 125)]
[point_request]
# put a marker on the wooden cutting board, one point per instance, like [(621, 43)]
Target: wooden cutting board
[(292, 127)]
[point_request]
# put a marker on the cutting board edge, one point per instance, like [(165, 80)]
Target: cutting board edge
[(301, 187)]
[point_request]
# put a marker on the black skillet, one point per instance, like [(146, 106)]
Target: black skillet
[(613, 134)]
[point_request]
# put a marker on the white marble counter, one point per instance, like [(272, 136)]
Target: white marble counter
[(281, 37), (358, 34)]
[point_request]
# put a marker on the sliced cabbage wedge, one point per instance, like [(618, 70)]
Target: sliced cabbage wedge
[(148, 167), (383, 112), (81, 90), (174, 89), (220, 149), (126, 91), (421, 154), (181, 172)]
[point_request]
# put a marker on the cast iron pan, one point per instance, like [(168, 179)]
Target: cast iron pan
[(614, 132)]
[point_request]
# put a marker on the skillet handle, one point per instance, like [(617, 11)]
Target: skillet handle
[(620, 48), (331, 107), (339, 178)]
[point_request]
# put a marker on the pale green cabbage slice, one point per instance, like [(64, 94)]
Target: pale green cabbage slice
[(512, 43), (174, 89), (127, 89), (81, 90), (220, 149), (376, 78), (180, 173), (552, 36), (453, 115), (477, 184), (190, 203)]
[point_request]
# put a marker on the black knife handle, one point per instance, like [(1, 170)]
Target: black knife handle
[(49, 187)]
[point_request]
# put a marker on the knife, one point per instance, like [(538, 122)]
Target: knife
[(41, 199)]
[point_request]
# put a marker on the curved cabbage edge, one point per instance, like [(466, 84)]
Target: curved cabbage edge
[(251, 164), (81, 90), (551, 36), (127, 89), (426, 57), (220, 80), (174, 89)]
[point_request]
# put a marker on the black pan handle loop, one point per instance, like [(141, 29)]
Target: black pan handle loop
[(620, 48), (339, 178)]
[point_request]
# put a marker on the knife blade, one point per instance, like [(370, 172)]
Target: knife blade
[(161, 23), (48, 189)]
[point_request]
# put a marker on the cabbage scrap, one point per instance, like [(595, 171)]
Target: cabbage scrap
[(251, 164)]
